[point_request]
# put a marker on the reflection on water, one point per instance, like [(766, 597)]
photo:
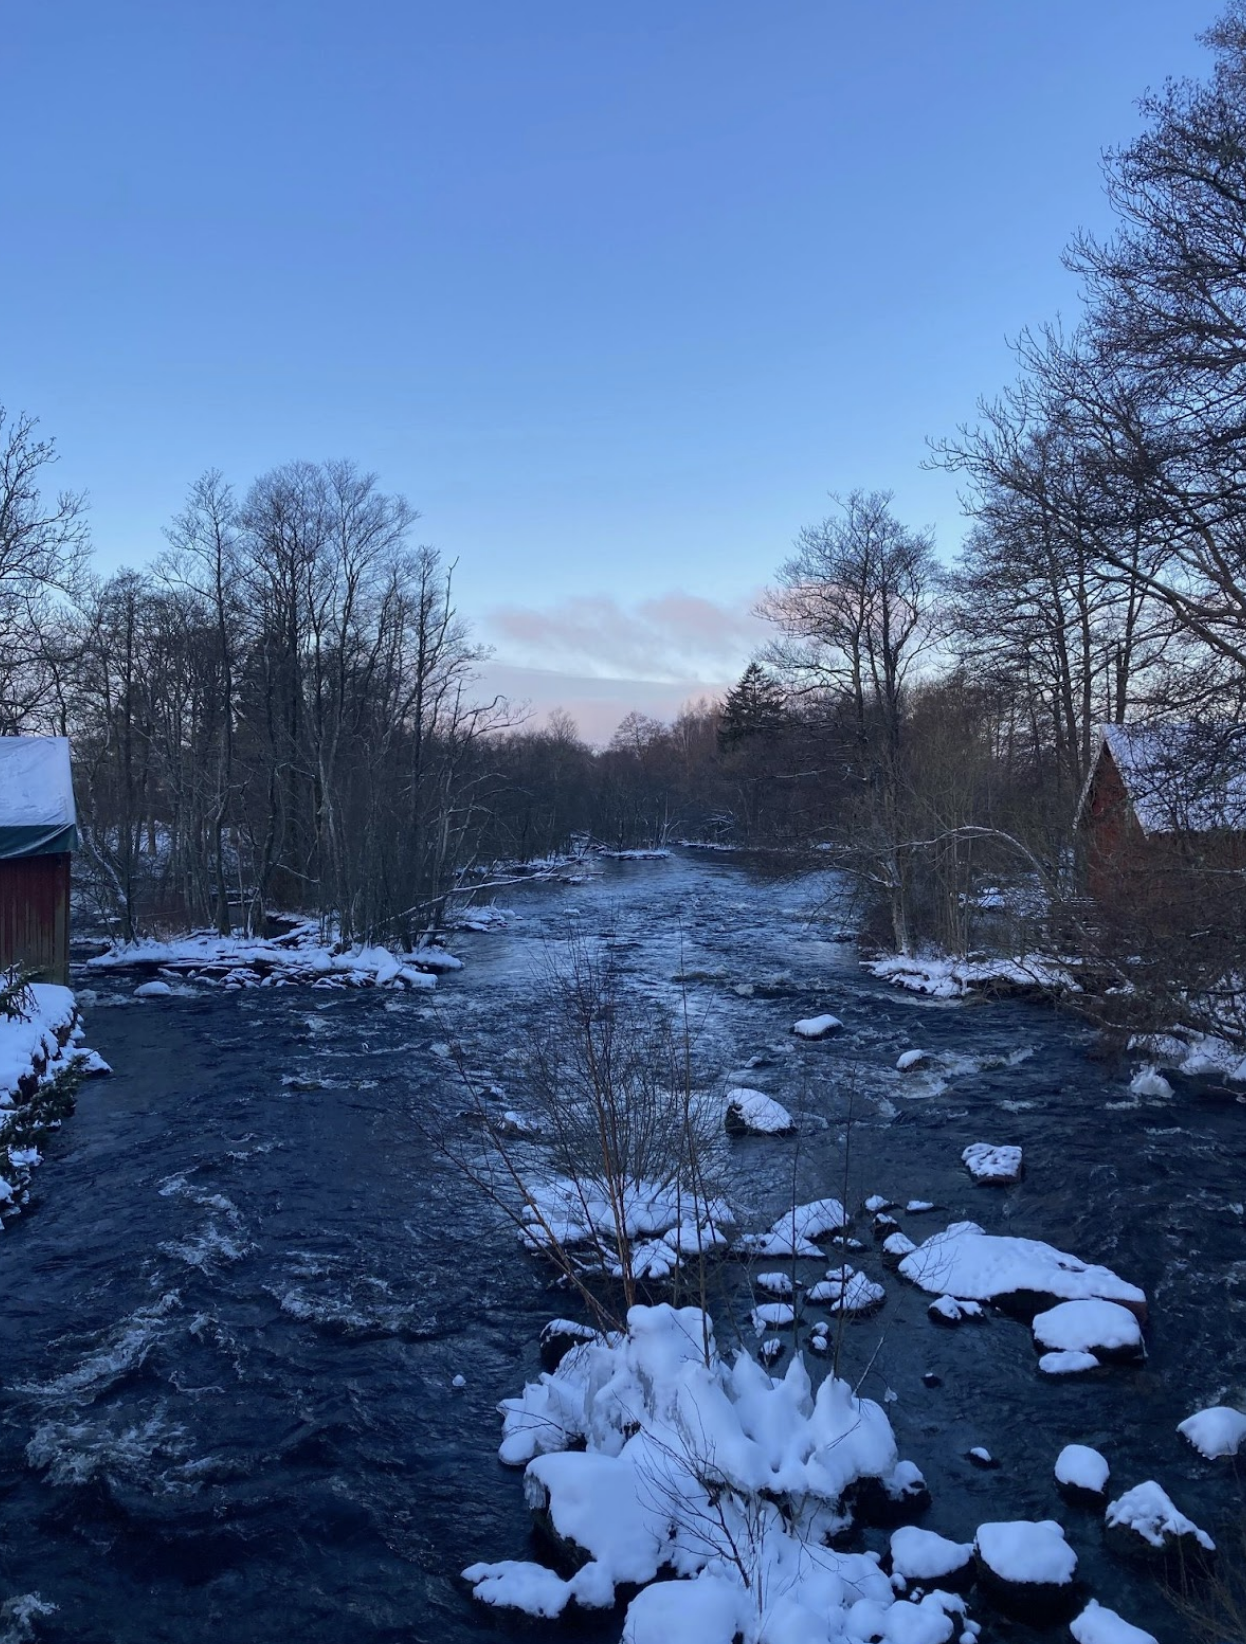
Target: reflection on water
[(235, 1316)]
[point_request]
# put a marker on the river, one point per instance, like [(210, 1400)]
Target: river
[(249, 1276)]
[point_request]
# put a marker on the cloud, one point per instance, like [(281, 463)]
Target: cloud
[(596, 704), (671, 639)]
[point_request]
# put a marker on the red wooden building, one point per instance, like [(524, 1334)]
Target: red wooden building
[(38, 831), (1163, 815)]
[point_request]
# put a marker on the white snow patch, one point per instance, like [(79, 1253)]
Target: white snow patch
[(1150, 1512), (1067, 1363), (1089, 1327), (757, 1113), (921, 1555), (1082, 1468), (1097, 1625), (1023, 1552), (965, 1262), (988, 1162), (1215, 1432), (816, 1027)]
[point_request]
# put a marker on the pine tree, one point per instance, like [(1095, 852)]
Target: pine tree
[(755, 706)]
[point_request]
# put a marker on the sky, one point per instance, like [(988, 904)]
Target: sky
[(616, 296)]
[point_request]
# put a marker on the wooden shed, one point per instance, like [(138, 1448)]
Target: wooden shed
[(1163, 812), (38, 831)]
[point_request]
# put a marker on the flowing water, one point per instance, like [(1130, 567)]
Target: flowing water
[(249, 1276)]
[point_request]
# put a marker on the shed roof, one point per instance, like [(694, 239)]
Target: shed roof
[(37, 814), (1179, 778)]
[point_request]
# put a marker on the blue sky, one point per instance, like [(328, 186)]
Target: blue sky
[(615, 295)]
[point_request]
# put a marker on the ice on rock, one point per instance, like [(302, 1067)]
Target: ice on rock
[(1078, 1467), (1216, 1432), (992, 1165), (753, 1113), (972, 1265), (921, 1555), (1097, 1625), (817, 1027), (1103, 1328)]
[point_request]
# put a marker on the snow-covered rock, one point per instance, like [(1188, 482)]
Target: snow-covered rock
[(876, 1204), (1067, 1362), (948, 1310), (152, 990), (624, 1444), (1082, 1472), (1145, 1523), (774, 1284), (921, 1555), (972, 1265), (1104, 1328), (910, 1059), (992, 1165), (1097, 1625), (772, 1316), (1215, 1432), (816, 1027), (753, 1113), (846, 1291), (1029, 1566), (896, 1246), (558, 1338), (794, 1233)]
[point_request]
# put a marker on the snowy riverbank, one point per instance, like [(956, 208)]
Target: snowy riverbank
[(303, 955), (942, 976)]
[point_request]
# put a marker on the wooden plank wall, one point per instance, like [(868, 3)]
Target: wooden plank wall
[(34, 916)]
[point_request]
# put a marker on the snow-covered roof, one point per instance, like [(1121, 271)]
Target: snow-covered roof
[(37, 814), (1179, 778)]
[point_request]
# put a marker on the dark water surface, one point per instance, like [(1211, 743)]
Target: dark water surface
[(248, 1279)]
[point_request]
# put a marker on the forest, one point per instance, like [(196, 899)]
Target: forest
[(280, 711)]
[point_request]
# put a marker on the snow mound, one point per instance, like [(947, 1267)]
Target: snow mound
[(776, 1284), (991, 1164), (1103, 1328), (793, 1234), (1149, 1081), (1149, 1513), (1097, 1625), (846, 1291), (1026, 1553), (910, 1059), (1078, 1467), (31, 1043), (1216, 1432), (921, 1555), (647, 1455), (816, 1027), (753, 1113), (965, 1262), (1067, 1363), (772, 1316), (947, 1310)]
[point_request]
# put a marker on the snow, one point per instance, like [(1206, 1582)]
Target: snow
[(897, 1245), (153, 990), (793, 1234), (980, 1453), (561, 1212), (1151, 1514), (942, 977), (987, 1162), (1067, 1363), (910, 1059), (1024, 1552), (1149, 1081), (951, 1311), (1089, 1327), (304, 955), (1082, 1468), (625, 1443), (816, 1027), (972, 1265), (1215, 1432), (30, 1042), (757, 1113), (876, 1203), (846, 1291), (778, 1284), (772, 1316), (916, 1207), (921, 1555), (1178, 778), (1097, 1625), (36, 785)]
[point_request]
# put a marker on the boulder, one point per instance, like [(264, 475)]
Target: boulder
[(992, 1165), (1027, 1568), (1145, 1524), (752, 1113)]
